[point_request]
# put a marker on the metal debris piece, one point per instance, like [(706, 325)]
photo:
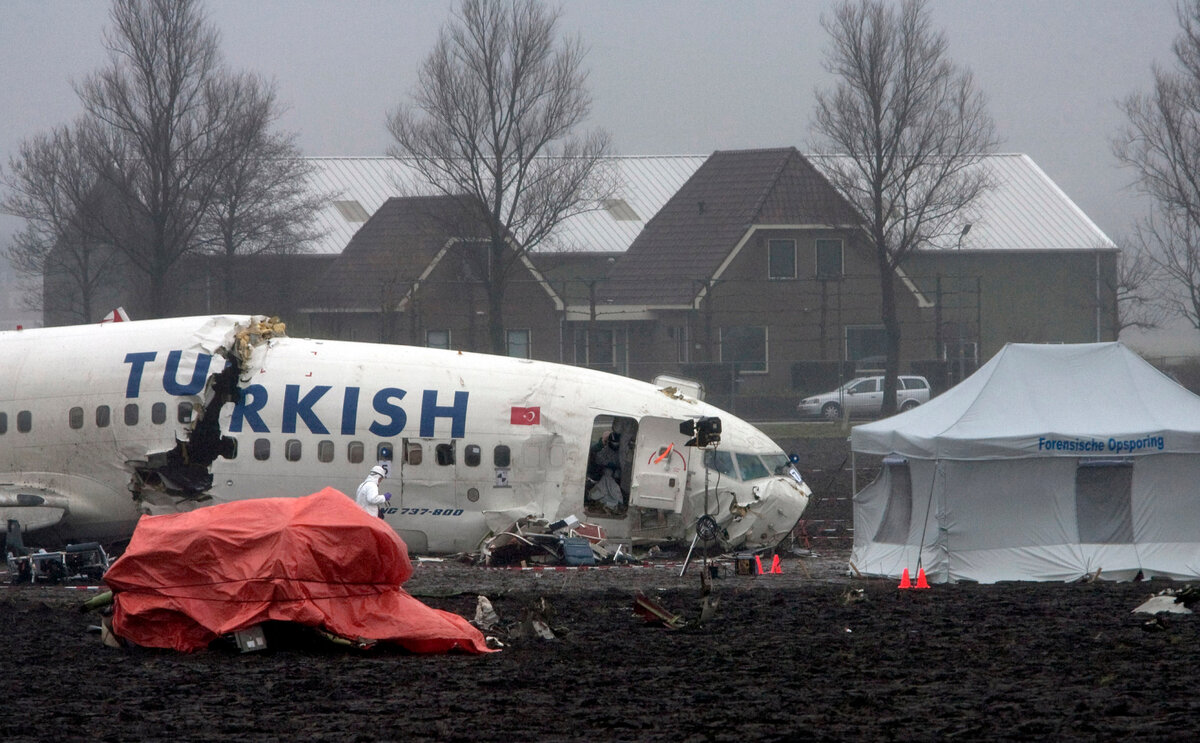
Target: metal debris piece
[(654, 612)]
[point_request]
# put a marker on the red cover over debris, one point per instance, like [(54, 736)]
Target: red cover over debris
[(320, 561)]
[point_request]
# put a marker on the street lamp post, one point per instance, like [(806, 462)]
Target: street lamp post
[(961, 339)]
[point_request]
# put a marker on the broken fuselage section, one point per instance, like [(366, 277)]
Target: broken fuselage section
[(187, 412)]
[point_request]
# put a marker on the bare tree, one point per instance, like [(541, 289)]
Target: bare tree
[(493, 120), (1140, 304), (51, 185), (263, 203), (910, 129), (1161, 143)]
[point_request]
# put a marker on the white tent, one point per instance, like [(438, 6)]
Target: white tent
[(1051, 462)]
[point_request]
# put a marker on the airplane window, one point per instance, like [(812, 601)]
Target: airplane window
[(103, 416), (291, 450), (185, 412), (24, 421), (262, 449), (325, 451), (384, 452), (75, 418), (354, 452), (472, 455), (502, 456), (158, 413), (445, 454), (752, 467), (3, 422), (412, 453), (721, 461), (131, 414)]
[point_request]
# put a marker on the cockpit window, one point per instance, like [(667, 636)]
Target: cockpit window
[(752, 467), (778, 464), (721, 461)]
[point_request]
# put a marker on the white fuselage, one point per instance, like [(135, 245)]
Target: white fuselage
[(96, 431)]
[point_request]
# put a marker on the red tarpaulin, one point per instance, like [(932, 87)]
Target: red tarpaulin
[(320, 561)]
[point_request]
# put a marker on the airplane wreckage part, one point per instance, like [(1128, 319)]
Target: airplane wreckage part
[(183, 473)]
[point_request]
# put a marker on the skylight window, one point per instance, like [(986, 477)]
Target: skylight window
[(351, 211)]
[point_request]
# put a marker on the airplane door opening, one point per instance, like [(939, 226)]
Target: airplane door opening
[(610, 461), (660, 466)]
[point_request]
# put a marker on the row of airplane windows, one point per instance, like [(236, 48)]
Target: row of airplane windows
[(444, 454), (132, 413)]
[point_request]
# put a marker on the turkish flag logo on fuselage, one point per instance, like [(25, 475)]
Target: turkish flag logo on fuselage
[(526, 416)]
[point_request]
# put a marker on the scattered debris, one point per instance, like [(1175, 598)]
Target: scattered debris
[(853, 596), (1170, 601), (486, 618), (654, 612)]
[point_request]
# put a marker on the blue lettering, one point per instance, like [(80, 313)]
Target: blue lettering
[(294, 405), (431, 411), (171, 383), (251, 400), (383, 406), (349, 411), (137, 364)]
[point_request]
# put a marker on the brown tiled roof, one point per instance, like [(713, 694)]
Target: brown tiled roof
[(391, 250), (686, 242)]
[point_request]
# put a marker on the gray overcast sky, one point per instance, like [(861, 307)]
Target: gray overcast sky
[(667, 77)]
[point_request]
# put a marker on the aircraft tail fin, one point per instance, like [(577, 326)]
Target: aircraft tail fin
[(117, 315)]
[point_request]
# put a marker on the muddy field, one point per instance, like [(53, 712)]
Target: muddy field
[(799, 655), (786, 657)]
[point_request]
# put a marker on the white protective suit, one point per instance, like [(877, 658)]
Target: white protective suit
[(368, 496)]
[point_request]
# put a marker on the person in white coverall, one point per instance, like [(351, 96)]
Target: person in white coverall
[(368, 496)]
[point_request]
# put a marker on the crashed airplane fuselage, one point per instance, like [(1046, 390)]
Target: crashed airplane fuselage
[(100, 424)]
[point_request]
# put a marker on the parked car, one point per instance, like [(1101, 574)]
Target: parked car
[(862, 397)]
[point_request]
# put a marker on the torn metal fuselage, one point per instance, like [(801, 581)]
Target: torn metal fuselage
[(183, 473)]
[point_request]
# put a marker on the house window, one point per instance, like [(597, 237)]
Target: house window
[(866, 344), (518, 343), (1103, 501), (437, 339), (781, 259), (829, 259), (745, 347)]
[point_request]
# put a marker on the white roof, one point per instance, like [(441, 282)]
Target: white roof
[(647, 184), (1097, 400), (1024, 211)]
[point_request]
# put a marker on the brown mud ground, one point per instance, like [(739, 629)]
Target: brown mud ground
[(786, 657)]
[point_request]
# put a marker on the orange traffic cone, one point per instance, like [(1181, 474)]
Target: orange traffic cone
[(921, 582), (905, 582), (758, 564), (776, 568)]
